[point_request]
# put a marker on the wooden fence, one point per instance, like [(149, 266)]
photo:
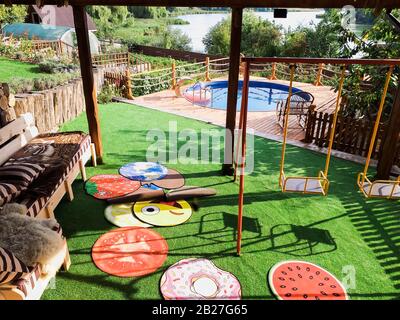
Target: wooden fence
[(119, 59), (58, 46), (174, 54), (352, 135), (120, 81)]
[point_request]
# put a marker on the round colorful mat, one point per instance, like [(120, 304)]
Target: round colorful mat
[(121, 215), (143, 171), (300, 280), (197, 279), (106, 186), (130, 252), (161, 213), (173, 180)]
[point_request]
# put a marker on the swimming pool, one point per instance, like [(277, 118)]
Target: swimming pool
[(263, 95)]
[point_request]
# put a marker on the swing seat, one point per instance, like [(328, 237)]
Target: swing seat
[(388, 189), (307, 185)]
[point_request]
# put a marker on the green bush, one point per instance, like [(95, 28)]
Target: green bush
[(108, 92), (56, 66), (22, 85)]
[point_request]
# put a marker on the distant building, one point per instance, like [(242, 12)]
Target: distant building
[(48, 33), (56, 16)]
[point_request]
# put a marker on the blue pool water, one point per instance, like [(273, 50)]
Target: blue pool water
[(263, 95)]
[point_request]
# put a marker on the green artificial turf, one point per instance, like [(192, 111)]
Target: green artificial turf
[(10, 69), (345, 231)]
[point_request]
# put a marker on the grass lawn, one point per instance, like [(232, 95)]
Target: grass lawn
[(13, 68), (344, 231)]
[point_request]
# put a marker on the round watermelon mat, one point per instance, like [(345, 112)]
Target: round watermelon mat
[(121, 215), (300, 280), (107, 186), (130, 252), (199, 279), (143, 171)]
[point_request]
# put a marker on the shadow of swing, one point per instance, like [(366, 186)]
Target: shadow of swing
[(301, 240), (221, 227), (284, 238)]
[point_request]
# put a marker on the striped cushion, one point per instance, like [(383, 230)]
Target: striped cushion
[(11, 268), (9, 191), (33, 203), (21, 173), (28, 281)]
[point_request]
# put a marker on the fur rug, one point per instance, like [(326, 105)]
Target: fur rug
[(31, 240)]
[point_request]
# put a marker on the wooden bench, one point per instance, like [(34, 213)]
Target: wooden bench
[(13, 137)]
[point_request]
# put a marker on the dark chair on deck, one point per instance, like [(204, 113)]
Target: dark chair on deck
[(300, 104)]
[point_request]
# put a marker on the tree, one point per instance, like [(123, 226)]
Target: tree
[(261, 37), (326, 39), (380, 41), (146, 12), (12, 14), (295, 44), (217, 40), (108, 18), (175, 40)]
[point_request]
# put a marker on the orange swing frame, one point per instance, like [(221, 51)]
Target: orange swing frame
[(243, 123)]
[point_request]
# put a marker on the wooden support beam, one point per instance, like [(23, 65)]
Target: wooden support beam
[(387, 158), (225, 3), (234, 68), (85, 59)]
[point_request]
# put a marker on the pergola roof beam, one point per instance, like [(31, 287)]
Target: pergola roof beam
[(225, 3)]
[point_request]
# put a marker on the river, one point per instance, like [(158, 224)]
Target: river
[(200, 24)]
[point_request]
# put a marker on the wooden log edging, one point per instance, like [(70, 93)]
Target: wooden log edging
[(52, 108)]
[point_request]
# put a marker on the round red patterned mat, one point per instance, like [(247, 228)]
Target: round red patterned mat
[(107, 186), (300, 280), (130, 252)]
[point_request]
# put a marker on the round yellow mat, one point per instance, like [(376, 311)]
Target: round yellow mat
[(161, 213), (121, 215)]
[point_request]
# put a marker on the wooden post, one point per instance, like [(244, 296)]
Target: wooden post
[(173, 75), (233, 85), (318, 81), (388, 153), (273, 72), (208, 69), (85, 58), (128, 62), (128, 84)]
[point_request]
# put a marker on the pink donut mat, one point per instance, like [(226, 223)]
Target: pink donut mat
[(130, 252), (199, 279), (300, 280)]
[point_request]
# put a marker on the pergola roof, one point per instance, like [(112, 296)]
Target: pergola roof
[(225, 3)]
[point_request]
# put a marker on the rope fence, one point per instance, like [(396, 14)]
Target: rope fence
[(150, 81)]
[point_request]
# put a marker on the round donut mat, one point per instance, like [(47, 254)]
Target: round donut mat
[(162, 213), (143, 171), (300, 280), (197, 279), (121, 215), (107, 186), (130, 252)]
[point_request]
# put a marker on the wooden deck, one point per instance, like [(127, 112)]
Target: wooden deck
[(262, 122)]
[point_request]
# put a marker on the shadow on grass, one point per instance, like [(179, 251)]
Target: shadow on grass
[(378, 222)]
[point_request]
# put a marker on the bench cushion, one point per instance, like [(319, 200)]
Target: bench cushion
[(11, 268), (9, 191), (62, 152), (27, 282), (15, 177)]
